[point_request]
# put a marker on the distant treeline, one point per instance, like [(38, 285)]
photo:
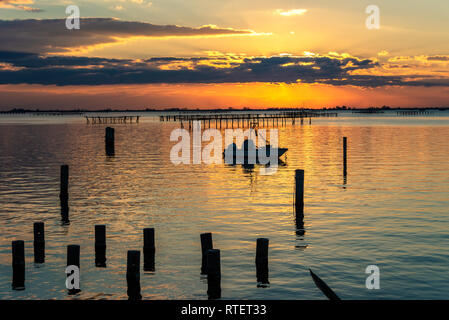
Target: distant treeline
[(79, 111)]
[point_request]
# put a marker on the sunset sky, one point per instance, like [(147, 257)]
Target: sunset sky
[(208, 53)]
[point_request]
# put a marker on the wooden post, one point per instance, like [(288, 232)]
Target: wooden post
[(299, 192), (149, 249), (18, 265), (299, 221), (262, 262), (100, 246), (64, 193), (64, 181), (133, 275), (345, 165), (39, 242), (206, 245), (110, 141), (73, 259), (213, 274)]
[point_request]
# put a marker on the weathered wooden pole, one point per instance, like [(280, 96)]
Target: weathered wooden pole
[(110, 141), (299, 192), (100, 246), (206, 245), (299, 221), (39, 242), (73, 259), (133, 275), (18, 265), (64, 193), (213, 274), (345, 165), (262, 262), (64, 181), (149, 249)]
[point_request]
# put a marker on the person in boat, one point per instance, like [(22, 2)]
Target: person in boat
[(231, 154), (249, 151)]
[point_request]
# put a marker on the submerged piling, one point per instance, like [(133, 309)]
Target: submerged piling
[(206, 245), (299, 192), (345, 147), (73, 259), (213, 274), (18, 265), (133, 275), (262, 262), (149, 249), (100, 246), (64, 181), (64, 193), (110, 141), (39, 242)]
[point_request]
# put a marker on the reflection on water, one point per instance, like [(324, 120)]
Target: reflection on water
[(390, 210)]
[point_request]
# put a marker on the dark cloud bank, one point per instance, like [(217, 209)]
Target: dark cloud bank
[(30, 68), (51, 35)]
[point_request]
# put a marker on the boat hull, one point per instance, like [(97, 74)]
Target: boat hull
[(243, 156)]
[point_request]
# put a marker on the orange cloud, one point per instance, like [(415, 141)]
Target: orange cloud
[(292, 12), (18, 5)]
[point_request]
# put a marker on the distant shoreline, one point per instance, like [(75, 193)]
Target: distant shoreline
[(82, 111)]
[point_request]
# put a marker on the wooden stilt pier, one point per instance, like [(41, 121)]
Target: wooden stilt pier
[(112, 120), (246, 120), (413, 113)]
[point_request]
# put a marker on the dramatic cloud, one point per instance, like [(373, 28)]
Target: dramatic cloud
[(51, 35), (438, 58), (18, 5), (332, 69)]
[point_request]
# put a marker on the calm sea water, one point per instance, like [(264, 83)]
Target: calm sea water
[(392, 211)]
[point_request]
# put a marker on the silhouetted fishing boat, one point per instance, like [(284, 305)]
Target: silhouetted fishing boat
[(250, 154)]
